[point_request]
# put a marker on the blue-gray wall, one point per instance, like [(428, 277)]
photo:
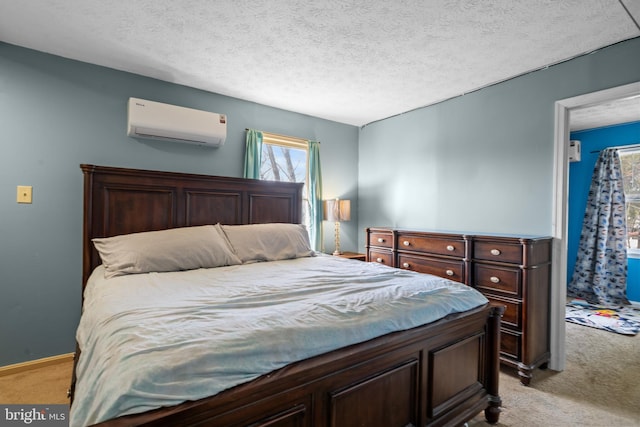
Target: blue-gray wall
[(482, 162), (57, 113)]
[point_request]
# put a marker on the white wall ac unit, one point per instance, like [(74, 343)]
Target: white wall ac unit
[(149, 119), (574, 150)]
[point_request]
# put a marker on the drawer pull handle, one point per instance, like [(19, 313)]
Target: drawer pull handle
[(450, 248), (494, 279), (378, 259), (405, 264), (380, 240), (449, 272), (495, 252), (406, 243)]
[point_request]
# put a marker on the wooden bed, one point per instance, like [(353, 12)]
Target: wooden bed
[(442, 373)]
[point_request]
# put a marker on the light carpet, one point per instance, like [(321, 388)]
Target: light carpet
[(600, 385)]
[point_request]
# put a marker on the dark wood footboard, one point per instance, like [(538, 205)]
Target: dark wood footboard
[(441, 374)]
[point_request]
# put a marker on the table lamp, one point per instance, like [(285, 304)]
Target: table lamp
[(337, 210)]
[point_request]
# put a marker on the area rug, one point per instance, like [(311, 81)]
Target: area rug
[(621, 320)]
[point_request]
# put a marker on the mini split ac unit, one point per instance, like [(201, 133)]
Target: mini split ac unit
[(149, 119), (574, 150)]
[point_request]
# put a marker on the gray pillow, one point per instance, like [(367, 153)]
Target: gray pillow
[(175, 249), (268, 242)]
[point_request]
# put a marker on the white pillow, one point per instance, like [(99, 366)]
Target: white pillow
[(175, 249), (268, 242)]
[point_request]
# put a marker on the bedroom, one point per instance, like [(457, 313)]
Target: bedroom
[(58, 113)]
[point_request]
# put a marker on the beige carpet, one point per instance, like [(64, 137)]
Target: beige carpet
[(599, 387)]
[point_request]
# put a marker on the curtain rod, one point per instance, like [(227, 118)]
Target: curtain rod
[(286, 137), (619, 147)]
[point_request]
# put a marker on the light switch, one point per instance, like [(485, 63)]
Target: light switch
[(24, 193)]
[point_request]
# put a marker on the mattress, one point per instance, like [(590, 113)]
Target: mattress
[(159, 339)]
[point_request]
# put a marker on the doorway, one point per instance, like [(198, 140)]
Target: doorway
[(559, 221)]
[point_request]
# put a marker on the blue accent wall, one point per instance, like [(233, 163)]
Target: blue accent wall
[(56, 113), (580, 173)]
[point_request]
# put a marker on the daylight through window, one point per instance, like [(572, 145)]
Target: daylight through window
[(630, 163), (286, 159)]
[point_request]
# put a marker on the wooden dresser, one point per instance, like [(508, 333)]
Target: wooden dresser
[(512, 271)]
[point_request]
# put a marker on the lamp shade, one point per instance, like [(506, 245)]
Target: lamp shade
[(337, 210)]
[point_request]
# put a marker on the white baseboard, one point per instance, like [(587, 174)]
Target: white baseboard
[(35, 364)]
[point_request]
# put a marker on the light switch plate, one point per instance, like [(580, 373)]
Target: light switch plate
[(24, 193)]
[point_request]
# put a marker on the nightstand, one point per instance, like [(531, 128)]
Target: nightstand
[(353, 255)]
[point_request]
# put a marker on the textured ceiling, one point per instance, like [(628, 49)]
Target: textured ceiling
[(609, 113), (353, 62)]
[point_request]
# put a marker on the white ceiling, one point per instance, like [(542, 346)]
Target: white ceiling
[(609, 113), (353, 62)]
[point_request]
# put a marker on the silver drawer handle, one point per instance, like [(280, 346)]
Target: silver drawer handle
[(406, 243), (450, 248), (495, 252), (405, 265), (380, 240), (378, 259), (494, 279), (449, 272)]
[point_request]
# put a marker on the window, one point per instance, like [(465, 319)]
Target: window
[(286, 159), (630, 163)]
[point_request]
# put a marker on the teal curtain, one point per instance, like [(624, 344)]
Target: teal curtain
[(253, 154), (315, 195)]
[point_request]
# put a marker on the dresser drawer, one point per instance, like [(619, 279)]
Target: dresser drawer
[(381, 257), (498, 251), (512, 310), (431, 245), (381, 239), (510, 343), (501, 279), (453, 270), (498, 266)]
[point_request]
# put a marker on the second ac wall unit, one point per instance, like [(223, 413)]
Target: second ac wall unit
[(574, 150), (149, 119)]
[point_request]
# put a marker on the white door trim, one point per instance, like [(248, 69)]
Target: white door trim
[(559, 221)]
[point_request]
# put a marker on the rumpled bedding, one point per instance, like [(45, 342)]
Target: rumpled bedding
[(159, 339)]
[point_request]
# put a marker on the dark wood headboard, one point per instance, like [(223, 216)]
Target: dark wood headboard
[(120, 201)]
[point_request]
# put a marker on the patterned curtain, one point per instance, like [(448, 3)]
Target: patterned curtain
[(315, 195), (600, 274), (253, 154)]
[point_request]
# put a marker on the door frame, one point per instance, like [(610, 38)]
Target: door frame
[(560, 211)]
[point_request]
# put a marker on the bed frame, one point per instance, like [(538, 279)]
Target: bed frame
[(442, 373)]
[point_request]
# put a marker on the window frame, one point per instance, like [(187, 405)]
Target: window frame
[(635, 198), (274, 139)]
